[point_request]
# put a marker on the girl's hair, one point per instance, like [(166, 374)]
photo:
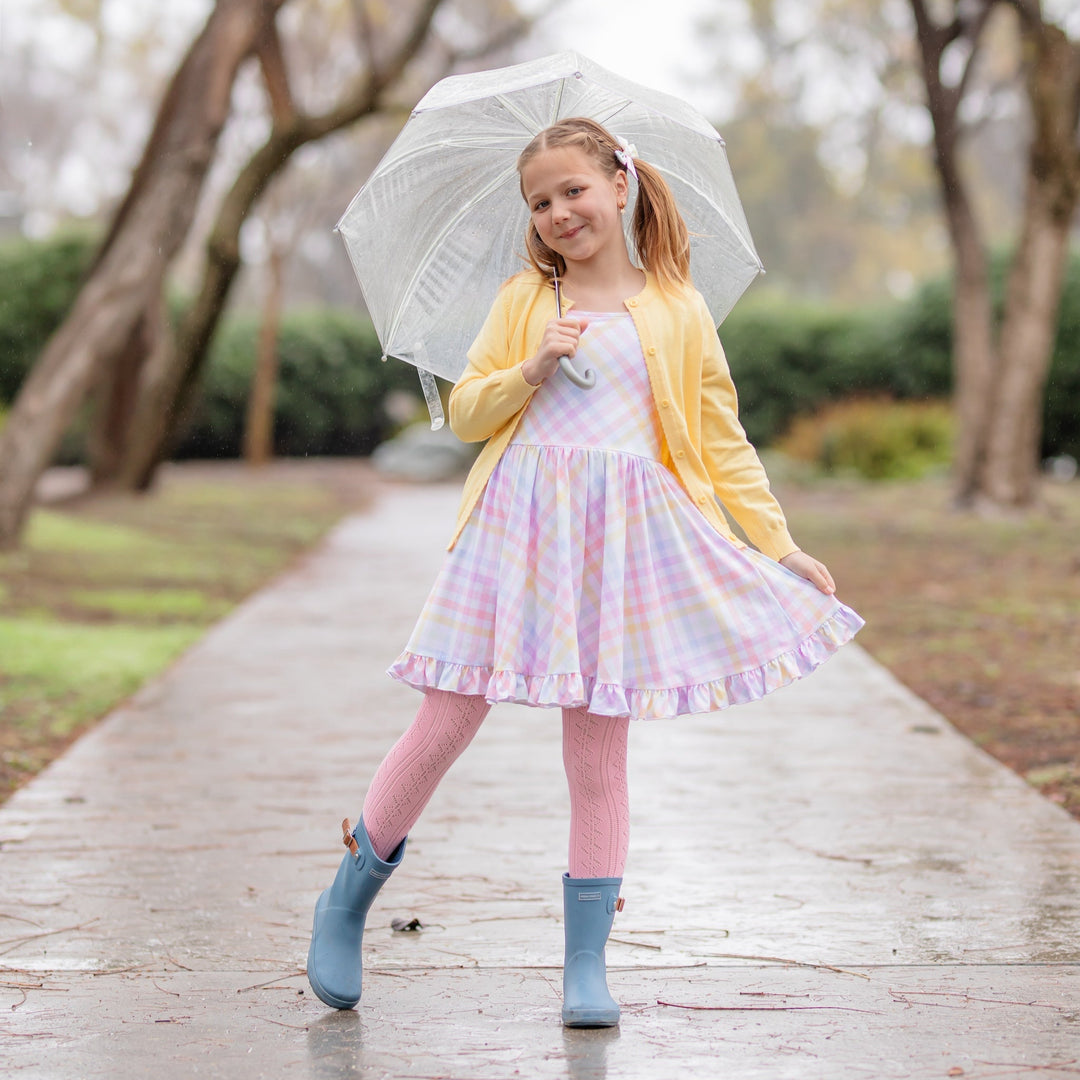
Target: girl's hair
[(660, 234)]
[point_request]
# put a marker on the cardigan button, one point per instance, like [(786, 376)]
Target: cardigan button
[(652, 350), (665, 404), (702, 500), (680, 453), (632, 302)]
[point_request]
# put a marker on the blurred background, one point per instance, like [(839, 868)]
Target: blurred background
[(172, 290), (823, 106)]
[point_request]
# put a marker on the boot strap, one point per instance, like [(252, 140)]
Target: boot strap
[(620, 903), (348, 839)]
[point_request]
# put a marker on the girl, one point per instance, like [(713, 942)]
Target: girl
[(591, 568)]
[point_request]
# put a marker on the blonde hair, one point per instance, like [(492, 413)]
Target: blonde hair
[(660, 234)]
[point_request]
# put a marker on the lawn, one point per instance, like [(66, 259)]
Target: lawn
[(108, 590)]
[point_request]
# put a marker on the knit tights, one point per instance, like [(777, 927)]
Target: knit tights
[(594, 754)]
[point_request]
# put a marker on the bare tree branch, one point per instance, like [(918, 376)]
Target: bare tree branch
[(1030, 11), (973, 33), (501, 40), (276, 76), (364, 96), (365, 32)]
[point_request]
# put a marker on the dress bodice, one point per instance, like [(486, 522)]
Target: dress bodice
[(616, 414)]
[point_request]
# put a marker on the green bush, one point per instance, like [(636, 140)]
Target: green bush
[(878, 439), (40, 279), (332, 385), (789, 360)]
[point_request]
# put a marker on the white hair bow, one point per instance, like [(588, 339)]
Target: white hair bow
[(625, 155)]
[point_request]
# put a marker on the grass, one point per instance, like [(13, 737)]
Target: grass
[(979, 615), (108, 590), (59, 674)]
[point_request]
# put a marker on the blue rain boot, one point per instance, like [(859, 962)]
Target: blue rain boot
[(333, 964), (589, 906)]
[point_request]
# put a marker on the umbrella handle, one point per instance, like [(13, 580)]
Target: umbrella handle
[(586, 381)]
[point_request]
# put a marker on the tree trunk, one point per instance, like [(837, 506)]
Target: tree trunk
[(114, 406), (1033, 297), (999, 388), (1011, 467), (259, 425), (112, 409), (127, 279), (974, 356), (975, 360)]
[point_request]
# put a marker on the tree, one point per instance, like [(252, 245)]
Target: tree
[(120, 308), (999, 81), (1001, 369)]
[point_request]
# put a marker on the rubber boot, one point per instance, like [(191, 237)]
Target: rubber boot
[(333, 965), (589, 906)]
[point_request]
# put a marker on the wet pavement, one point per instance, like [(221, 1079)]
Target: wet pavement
[(829, 883)]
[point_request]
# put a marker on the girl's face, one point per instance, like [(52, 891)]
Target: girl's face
[(574, 205)]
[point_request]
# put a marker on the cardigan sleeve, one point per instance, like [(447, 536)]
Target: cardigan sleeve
[(735, 470), (492, 389)]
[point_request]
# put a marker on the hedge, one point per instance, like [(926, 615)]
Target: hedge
[(787, 360), (38, 281), (331, 390)]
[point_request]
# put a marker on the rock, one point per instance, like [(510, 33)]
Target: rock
[(424, 456)]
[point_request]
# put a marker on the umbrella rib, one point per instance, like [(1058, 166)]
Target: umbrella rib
[(609, 116), (558, 103), (433, 247), (516, 113)]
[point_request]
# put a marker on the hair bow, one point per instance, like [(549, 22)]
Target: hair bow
[(625, 155)]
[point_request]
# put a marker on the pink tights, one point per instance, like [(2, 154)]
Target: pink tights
[(594, 754)]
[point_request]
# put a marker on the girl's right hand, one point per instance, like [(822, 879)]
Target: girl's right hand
[(561, 337)]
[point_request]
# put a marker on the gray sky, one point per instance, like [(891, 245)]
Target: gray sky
[(650, 41)]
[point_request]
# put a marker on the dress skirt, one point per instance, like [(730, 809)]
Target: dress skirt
[(587, 577)]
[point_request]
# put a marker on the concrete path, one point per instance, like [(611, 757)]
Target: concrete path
[(831, 883)]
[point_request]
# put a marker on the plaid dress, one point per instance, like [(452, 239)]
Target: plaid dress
[(586, 575)]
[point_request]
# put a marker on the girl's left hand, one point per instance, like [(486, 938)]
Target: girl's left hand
[(814, 572)]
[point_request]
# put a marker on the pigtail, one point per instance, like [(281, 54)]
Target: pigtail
[(660, 234)]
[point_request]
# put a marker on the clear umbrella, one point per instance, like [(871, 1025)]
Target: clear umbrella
[(440, 223)]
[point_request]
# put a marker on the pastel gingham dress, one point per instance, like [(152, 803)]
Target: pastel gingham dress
[(586, 575)]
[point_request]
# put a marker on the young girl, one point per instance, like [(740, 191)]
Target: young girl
[(591, 568)]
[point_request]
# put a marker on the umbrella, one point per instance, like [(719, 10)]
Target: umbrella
[(440, 223)]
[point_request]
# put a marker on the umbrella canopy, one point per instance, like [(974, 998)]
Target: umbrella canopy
[(440, 223)]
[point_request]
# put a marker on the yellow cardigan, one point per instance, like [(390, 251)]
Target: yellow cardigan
[(703, 443)]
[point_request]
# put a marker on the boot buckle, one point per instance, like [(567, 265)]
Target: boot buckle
[(348, 839)]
